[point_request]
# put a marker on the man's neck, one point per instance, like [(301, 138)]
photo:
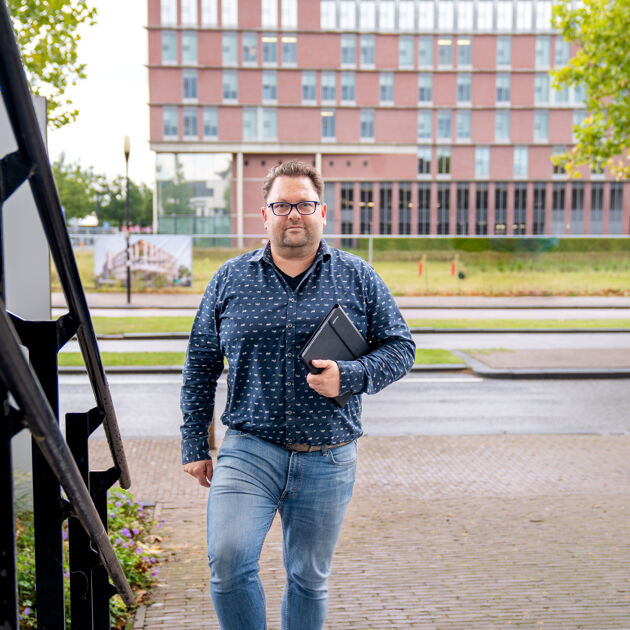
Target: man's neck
[(295, 264)]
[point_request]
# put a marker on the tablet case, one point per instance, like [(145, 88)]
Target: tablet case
[(336, 339)]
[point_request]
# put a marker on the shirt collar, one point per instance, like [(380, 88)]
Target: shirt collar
[(264, 253)]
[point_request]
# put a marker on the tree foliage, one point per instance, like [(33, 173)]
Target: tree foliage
[(601, 29), (47, 32)]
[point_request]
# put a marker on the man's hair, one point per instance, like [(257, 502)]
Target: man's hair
[(293, 168)]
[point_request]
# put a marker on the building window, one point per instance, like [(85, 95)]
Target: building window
[(406, 15), (308, 86), (367, 124), (210, 123), (524, 14), (424, 125), (405, 51), (367, 15), (543, 15), (561, 96), (579, 94), (191, 129), (250, 123), (289, 50), (347, 212), (189, 12), (168, 12), (543, 51), (169, 47), (519, 223), (504, 51), (169, 123), (463, 125), (189, 78), (443, 208), (425, 52), (386, 15), (404, 208), (270, 123), (540, 208), (230, 91), (329, 81), (347, 87), (504, 15), (269, 13), (348, 50), (481, 209), (328, 14), (366, 207), (229, 13), (541, 89), (424, 208), (444, 124), (386, 83), (502, 125), (208, 12), (463, 194), (541, 126), (444, 160), (520, 161), (500, 209), (482, 162), (347, 15), (270, 86), (577, 208), (485, 15), (385, 209), (463, 87), (426, 16), (367, 51), (446, 15), (615, 216), (425, 87), (503, 88), (559, 169), (250, 49), (464, 52), (189, 47), (269, 49), (230, 57), (424, 161), (445, 52), (289, 14), (562, 51), (465, 13), (557, 209), (328, 124), (597, 208)]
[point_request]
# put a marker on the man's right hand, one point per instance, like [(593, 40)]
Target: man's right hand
[(201, 471)]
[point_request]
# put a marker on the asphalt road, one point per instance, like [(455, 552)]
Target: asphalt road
[(148, 405)]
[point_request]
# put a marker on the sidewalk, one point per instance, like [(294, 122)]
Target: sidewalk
[(472, 532)]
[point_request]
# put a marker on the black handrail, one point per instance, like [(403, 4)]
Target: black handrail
[(23, 383), (33, 152)]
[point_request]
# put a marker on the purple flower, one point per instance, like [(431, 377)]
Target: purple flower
[(118, 541), (112, 515), (64, 535), (67, 574), (139, 550), (126, 545), (27, 611), (153, 560), (135, 531), (154, 573), (118, 504), (125, 532)]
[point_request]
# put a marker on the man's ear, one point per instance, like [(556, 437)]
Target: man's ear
[(263, 211), (324, 210)]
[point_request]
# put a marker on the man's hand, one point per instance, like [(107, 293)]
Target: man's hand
[(201, 471), (327, 382)]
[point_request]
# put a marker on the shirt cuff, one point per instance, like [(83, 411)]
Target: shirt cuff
[(351, 377), (195, 449)]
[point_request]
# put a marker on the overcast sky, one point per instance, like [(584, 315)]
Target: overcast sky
[(113, 100)]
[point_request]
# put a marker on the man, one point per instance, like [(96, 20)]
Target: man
[(288, 448)]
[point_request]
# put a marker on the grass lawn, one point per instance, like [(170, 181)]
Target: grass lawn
[(425, 357)]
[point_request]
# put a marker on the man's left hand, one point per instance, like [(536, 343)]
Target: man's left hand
[(327, 382)]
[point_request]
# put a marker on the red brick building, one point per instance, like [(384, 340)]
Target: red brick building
[(424, 116)]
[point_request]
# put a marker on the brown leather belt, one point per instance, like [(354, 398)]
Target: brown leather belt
[(307, 448)]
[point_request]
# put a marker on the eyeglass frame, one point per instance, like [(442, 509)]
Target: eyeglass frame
[(293, 205)]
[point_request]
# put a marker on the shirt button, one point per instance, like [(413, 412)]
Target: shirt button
[(289, 354), (288, 383), (289, 325), (291, 299), (289, 412)]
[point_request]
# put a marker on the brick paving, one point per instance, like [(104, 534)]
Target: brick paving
[(475, 532)]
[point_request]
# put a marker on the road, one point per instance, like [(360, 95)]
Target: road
[(148, 405)]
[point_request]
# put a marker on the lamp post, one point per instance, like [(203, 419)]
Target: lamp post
[(127, 148)]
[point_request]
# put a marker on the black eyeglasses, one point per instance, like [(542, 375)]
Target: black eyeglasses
[(283, 208)]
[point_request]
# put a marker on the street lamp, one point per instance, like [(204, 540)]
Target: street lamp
[(127, 149)]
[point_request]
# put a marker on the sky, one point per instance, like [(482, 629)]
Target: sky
[(113, 99)]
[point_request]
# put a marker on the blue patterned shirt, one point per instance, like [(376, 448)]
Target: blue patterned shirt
[(251, 316)]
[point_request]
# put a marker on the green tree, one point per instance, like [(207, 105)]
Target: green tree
[(600, 28), (112, 207), (77, 188), (47, 32)]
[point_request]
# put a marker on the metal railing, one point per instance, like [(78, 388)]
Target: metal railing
[(29, 399)]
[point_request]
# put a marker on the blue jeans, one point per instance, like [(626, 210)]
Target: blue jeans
[(252, 479)]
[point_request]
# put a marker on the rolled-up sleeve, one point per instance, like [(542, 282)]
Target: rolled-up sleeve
[(204, 364), (393, 350)]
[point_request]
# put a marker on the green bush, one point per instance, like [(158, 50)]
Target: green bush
[(130, 533)]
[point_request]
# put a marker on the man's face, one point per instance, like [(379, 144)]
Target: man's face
[(295, 234)]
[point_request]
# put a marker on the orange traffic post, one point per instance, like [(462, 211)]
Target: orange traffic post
[(453, 267), (420, 268)]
